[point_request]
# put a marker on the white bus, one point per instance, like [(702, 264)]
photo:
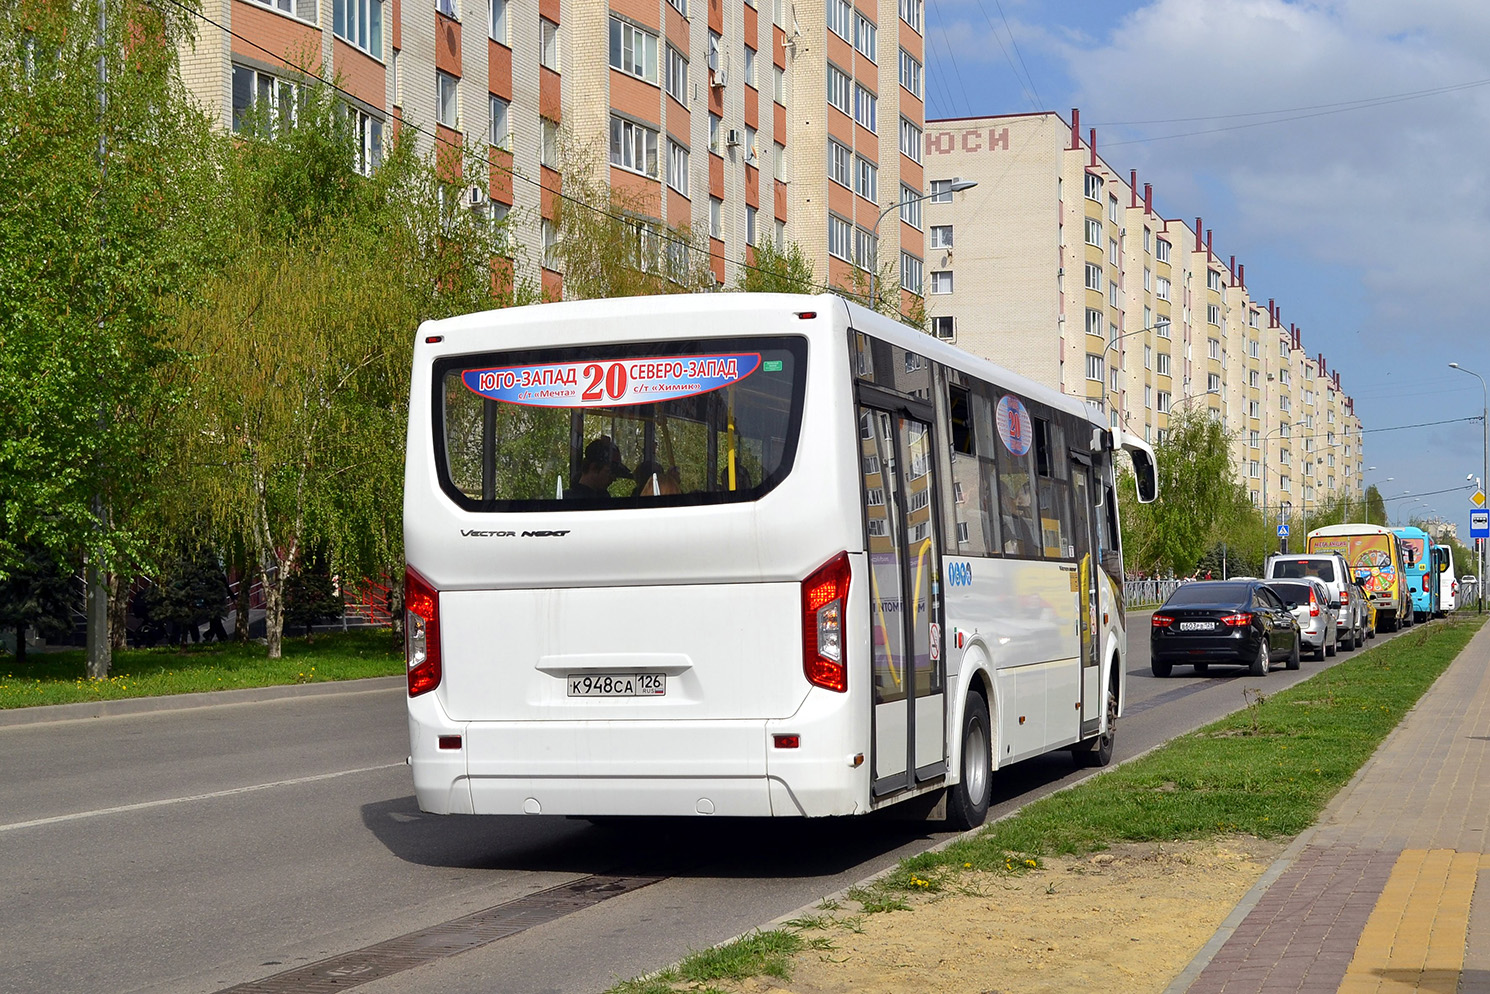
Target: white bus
[(748, 555)]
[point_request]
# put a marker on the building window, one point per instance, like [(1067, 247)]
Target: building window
[(549, 236), (1148, 240), (910, 73), (910, 140), (548, 47), (448, 8), (1094, 367), (369, 132), (1093, 276), (866, 250), (1213, 383), (447, 100), (941, 281), (360, 22), (839, 164), (633, 147), (1093, 187), (1213, 313), (677, 76), (1112, 252), (677, 167), (841, 18), (1161, 288), (1112, 380), (750, 213), (1096, 322), (1148, 279), (1161, 250), (1213, 348), (941, 191), (1253, 469), (1212, 279), (1162, 363), (866, 108), (1162, 406), (912, 272), (1148, 357), (910, 13), (1161, 326), (714, 42), (778, 85), (941, 236), (866, 180), (548, 142), (780, 235), (714, 122), (1252, 349), (1094, 232), (864, 36), (840, 90), (1112, 293), (497, 21), (681, 6), (500, 128), (750, 151), (1254, 379), (716, 217), (943, 326), (910, 207), (749, 66), (1112, 209), (632, 50), (275, 100), (1148, 397), (840, 238), (780, 166)]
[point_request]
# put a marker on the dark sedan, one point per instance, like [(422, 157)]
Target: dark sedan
[(1223, 621)]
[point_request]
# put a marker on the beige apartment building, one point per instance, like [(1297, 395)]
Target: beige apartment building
[(745, 119), (1059, 267)]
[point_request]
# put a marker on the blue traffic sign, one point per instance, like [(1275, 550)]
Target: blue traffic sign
[(1479, 524), (1282, 531)]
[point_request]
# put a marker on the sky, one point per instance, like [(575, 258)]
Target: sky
[(1337, 148)]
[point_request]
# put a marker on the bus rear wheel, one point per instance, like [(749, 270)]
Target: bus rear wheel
[(967, 800)]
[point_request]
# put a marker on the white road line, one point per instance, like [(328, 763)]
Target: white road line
[(194, 797)]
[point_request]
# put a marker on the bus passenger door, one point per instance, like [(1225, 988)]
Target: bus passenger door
[(904, 600), (1086, 583)]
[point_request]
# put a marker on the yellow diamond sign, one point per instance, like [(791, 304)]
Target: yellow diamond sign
[(1478, 498)]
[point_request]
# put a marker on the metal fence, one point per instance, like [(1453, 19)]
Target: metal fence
[(1138, 593)]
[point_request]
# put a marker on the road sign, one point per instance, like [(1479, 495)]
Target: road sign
[(1479, 524), (1477, 498), (1283, 531)]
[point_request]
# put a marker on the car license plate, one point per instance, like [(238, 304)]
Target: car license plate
[(617, 684), (1197, 626)]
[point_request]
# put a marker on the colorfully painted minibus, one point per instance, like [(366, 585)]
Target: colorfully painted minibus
[(748, 554), (1375, 554), (1420, 571)]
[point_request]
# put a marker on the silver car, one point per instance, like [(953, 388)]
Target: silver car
[(1308, 600)]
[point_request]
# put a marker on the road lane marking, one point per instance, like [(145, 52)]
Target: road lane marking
[(143, 805)]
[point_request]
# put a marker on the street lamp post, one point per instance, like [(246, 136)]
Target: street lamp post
[(1282, 427), (1485, 465), (958, 185)]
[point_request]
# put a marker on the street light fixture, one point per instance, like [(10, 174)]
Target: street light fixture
[(1485, 475), (958, 185)]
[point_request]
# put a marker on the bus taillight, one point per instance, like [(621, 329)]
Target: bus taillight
[(421, 633), (824, 603)]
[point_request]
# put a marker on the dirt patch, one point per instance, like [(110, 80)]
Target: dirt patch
[(1125, 921)]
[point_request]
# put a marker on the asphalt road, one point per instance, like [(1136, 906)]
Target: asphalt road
[(191, 850)]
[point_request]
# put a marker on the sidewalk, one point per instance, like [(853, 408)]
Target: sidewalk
[(1391, 890)]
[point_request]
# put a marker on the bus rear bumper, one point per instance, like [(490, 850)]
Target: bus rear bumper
[(728, 768)]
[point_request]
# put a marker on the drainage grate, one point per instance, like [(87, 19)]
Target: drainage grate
[(362, 966)]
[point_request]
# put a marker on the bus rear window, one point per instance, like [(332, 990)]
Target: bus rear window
[(649, 424)]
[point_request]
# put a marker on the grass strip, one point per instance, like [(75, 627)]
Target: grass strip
[(1267, 770), (60, 677)]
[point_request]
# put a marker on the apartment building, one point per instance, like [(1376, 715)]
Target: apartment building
[(745, 119), (1059, 267)]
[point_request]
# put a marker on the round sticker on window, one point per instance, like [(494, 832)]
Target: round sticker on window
[(1014, 424)]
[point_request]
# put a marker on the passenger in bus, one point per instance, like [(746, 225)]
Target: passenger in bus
[(652, 480), (1019, 525), (600, 467)]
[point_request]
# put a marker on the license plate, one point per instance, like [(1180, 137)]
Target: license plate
[(617, 684), (1197, 626)]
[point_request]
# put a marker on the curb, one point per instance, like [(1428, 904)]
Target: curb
[(86, 710)]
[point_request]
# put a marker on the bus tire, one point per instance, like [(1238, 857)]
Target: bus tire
[(1099, 749), (967, 800)]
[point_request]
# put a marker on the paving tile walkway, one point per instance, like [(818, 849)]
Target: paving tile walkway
[(1390, 892)]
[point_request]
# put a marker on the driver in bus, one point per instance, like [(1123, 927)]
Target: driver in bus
[(599, 468)]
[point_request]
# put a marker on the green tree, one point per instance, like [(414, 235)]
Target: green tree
[(777, 271), (1197, 491), (300, 345), (107, 206), (39, 593), (311, 596)]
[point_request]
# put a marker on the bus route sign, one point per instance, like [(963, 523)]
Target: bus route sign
[(1479, 524)]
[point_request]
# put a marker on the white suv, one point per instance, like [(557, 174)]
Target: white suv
[(1330, 569)]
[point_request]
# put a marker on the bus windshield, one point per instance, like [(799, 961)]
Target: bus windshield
[(647, 424)]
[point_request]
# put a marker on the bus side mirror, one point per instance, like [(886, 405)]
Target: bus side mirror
[(1144, 476)]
